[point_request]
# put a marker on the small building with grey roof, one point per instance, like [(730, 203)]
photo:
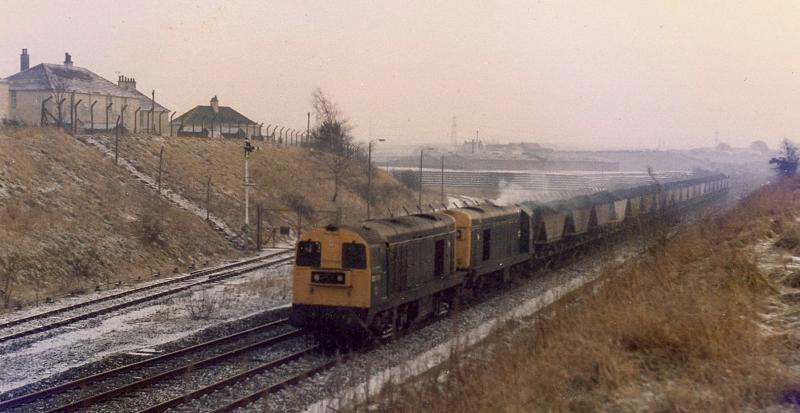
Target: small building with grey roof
[(215, 121)]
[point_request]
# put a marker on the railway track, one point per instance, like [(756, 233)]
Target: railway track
[(114, 390), (50, 320)]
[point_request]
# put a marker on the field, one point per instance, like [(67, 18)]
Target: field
[(70, 220), (706, 321)]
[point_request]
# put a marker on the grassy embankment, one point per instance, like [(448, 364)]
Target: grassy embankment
[(694, 326), (284, 177), (70, 219)]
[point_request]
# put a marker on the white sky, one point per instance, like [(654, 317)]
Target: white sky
[(575, 73)]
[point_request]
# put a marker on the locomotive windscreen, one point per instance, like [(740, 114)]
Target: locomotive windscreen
[(309, 253), (354, 256)]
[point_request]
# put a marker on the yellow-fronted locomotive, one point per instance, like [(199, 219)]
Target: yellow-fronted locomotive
[(355, 283)]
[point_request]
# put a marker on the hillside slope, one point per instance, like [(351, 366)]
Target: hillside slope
[(290, 183), (70, 219), (706, 321)]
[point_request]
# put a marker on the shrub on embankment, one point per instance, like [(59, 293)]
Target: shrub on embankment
[(690, 326)]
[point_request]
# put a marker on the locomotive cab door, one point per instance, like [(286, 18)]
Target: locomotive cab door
[(477, 246), (524, 232)]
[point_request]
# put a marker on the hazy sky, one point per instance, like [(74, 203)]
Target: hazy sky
[(576, 73)]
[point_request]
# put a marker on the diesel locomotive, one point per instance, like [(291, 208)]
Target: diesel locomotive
[(374, 280)]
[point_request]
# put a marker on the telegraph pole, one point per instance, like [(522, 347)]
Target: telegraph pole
[(443, 180), (419, 205), (369, 173)]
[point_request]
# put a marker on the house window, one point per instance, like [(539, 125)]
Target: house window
[(13, 99)]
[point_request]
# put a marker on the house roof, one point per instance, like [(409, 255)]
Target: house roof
[(205, 115), (49, 77)]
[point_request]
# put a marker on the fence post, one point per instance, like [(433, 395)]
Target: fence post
[(160, 166), (258, 227), (208, 196)]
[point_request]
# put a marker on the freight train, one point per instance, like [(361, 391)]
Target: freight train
[(353, 284)]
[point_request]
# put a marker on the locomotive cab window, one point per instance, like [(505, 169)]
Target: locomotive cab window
[(354, 256), (309, 253)]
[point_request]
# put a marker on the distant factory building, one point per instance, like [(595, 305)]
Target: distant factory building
[(215, 121), (52, 94)]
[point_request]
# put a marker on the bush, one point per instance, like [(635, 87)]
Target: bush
[(407, 177), (12, 123), (299, 205), (13, 268), (151, 227), (789, 240)]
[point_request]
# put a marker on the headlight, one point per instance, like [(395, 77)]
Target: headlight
[(340, 278), (315, 278)]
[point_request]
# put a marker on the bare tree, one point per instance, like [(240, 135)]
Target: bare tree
[(332, 141), (60, 91)]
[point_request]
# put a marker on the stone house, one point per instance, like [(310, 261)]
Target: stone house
[(215, 121), (51, 94)]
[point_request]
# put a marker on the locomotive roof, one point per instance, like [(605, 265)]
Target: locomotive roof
[(405, 228), (485, 211)]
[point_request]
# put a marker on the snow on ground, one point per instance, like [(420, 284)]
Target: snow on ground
[(66, 301), (148, 325)]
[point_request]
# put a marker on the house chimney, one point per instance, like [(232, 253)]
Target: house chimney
[(24, 61), (215, 104), (67, 60), (127, 83)]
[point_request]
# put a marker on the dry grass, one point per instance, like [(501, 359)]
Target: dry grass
[(284, 177), (682, 329), (70, 219)]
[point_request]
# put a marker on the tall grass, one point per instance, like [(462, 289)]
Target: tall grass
[(679, 329)]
